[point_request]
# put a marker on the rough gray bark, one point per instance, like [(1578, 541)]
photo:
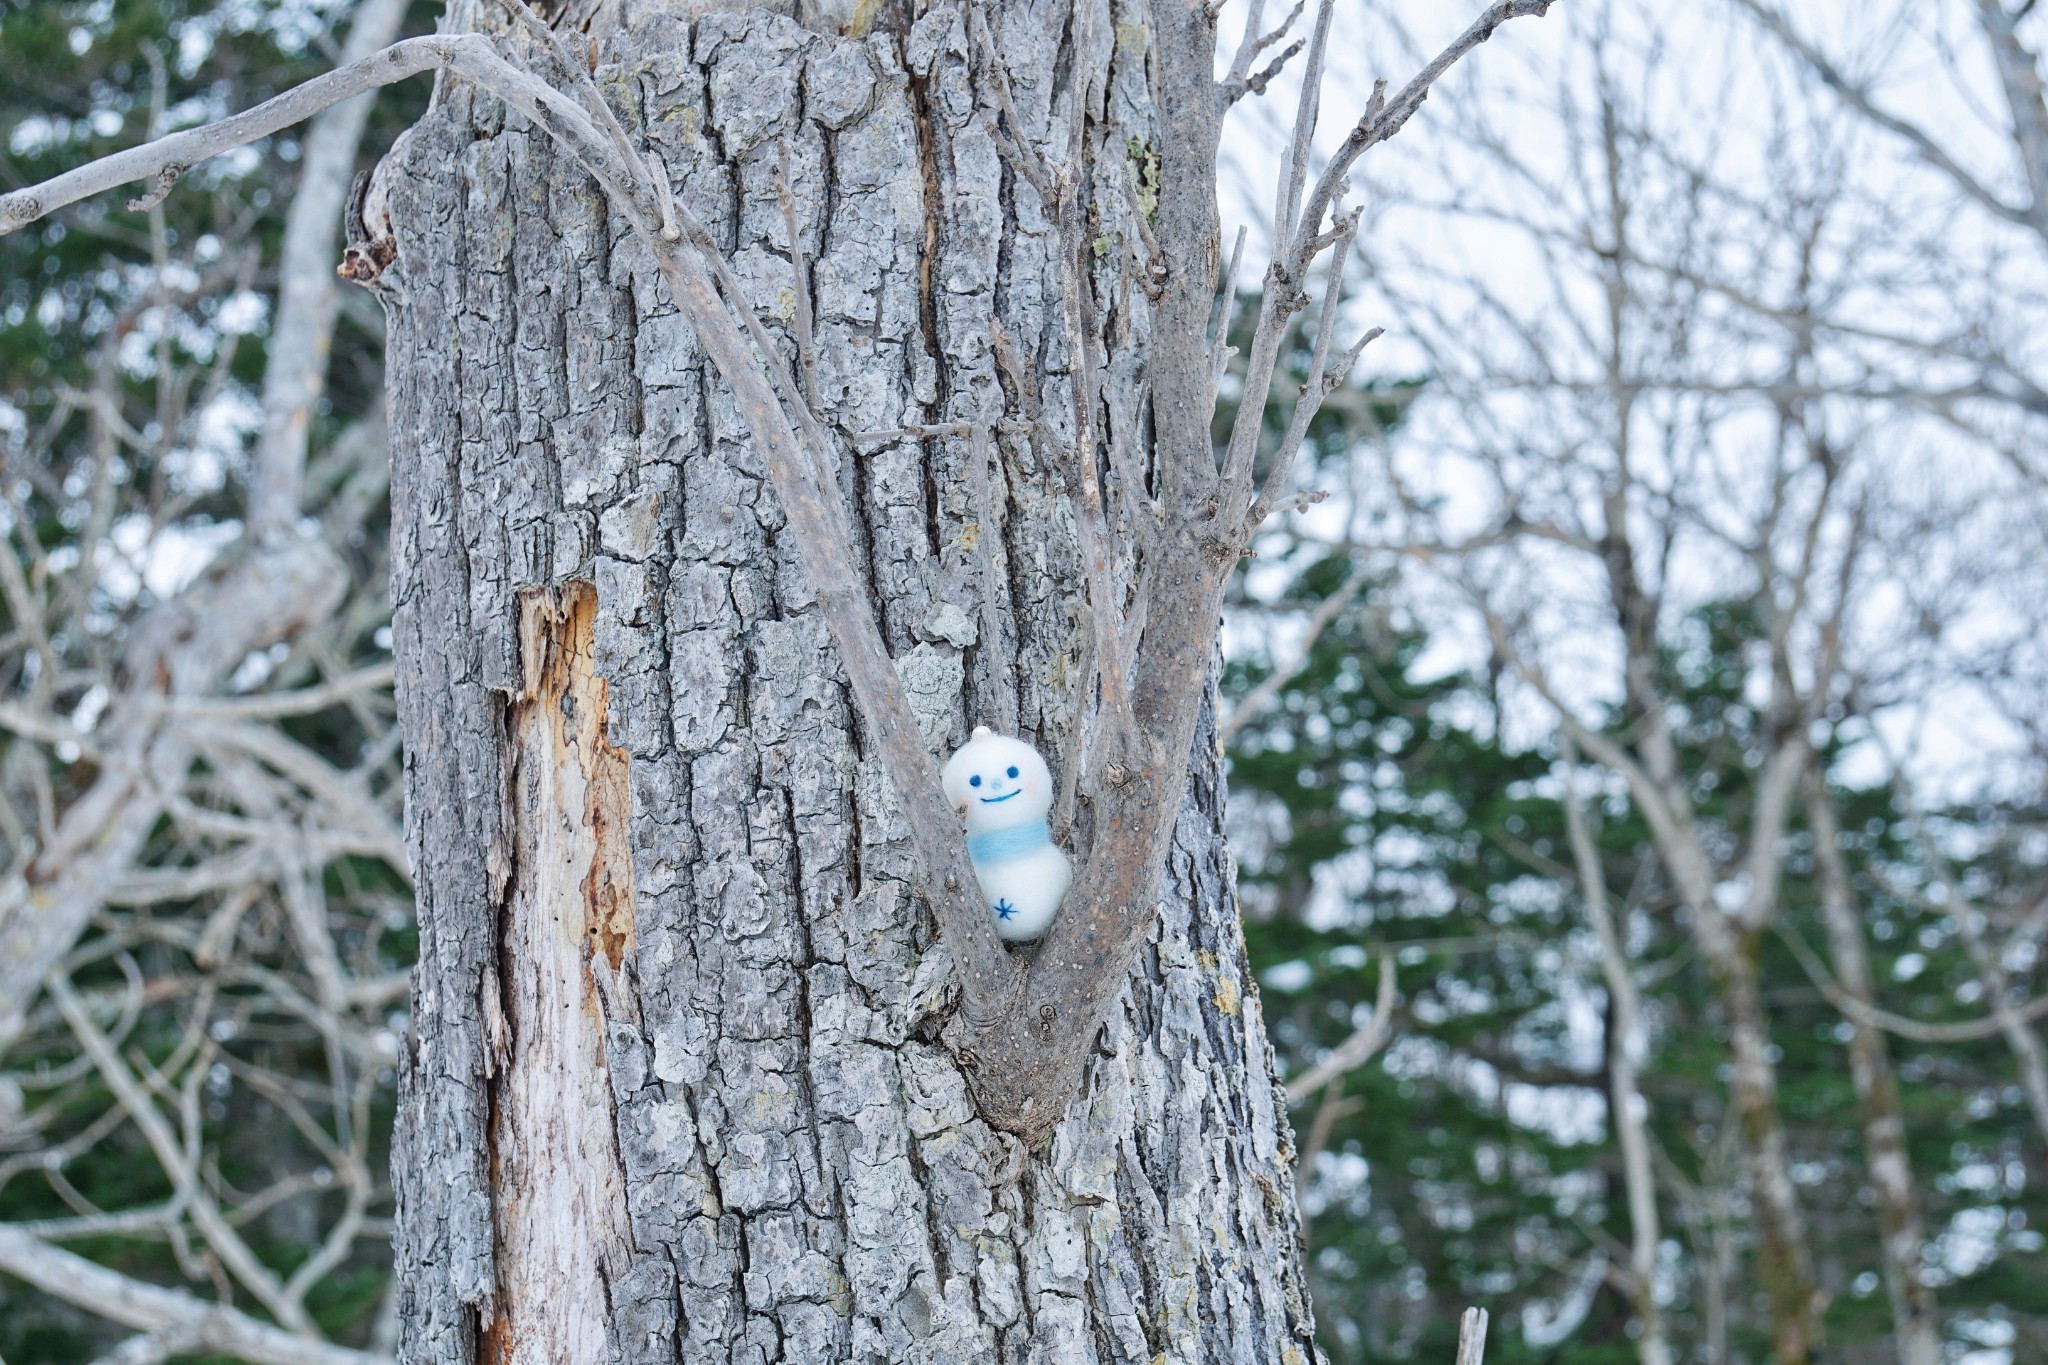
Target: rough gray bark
[(737, 1041)]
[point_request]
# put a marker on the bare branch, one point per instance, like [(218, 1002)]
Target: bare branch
[(295, 373), (1355, 1051), (1011, 139), (186, 149), (1916, 1030), (1240, 82), (986, 460), (1294, 170), (1385, 118), (800, 281), (235, 1253), (1865, 104), (1327, 610), (1256, 84), (1314, 389), (274, 705), (151, 1308), (1226, 310)]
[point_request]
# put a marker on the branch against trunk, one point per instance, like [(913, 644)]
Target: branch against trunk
[(826, 546), (195, 1324), (177, 153), (1082, 964)]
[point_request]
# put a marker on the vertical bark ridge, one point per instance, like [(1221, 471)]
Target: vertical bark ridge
[(804, 1176)]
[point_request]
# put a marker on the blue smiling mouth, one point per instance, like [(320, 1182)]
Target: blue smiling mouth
[(991, 800)]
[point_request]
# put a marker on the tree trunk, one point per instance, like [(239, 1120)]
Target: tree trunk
[(1914, 1321), (675, 1090)]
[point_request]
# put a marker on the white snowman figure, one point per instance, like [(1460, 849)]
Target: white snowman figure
[(1005, 790)]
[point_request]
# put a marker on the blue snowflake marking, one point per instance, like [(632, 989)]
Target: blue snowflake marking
[(1005, 910)]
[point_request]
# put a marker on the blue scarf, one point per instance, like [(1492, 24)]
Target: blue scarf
[(1017, 840)]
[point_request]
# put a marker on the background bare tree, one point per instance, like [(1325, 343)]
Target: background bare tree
[(1720, 470), (204, 913)]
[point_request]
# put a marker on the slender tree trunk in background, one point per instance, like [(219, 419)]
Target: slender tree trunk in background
[(1728, 945), (1726, 937), (674, 1091), (1784, 1260), (1626, 1106), (1877, 1094)]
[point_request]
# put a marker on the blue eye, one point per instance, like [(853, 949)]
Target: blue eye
[(1013, 772), (974, 781)]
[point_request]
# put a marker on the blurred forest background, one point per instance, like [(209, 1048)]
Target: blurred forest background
[(1639, 749)]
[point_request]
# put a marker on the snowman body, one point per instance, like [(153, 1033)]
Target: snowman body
[(1005, 790)]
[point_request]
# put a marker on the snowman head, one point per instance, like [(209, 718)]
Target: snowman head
[(997, 781)]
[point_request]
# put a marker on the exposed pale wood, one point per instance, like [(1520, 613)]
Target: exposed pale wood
[(566, 926), (533, 464)]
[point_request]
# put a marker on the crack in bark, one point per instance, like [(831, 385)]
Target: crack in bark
[(560, 1215)]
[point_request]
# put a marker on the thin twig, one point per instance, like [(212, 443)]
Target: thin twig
[(1314, 390), (1359, 1048), (274, 705), (1011, 140), (1294, 170), (252, 1273), (1327, 610), (1226, 310)]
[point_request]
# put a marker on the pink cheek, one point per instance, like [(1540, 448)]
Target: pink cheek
[(1031, 786)]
